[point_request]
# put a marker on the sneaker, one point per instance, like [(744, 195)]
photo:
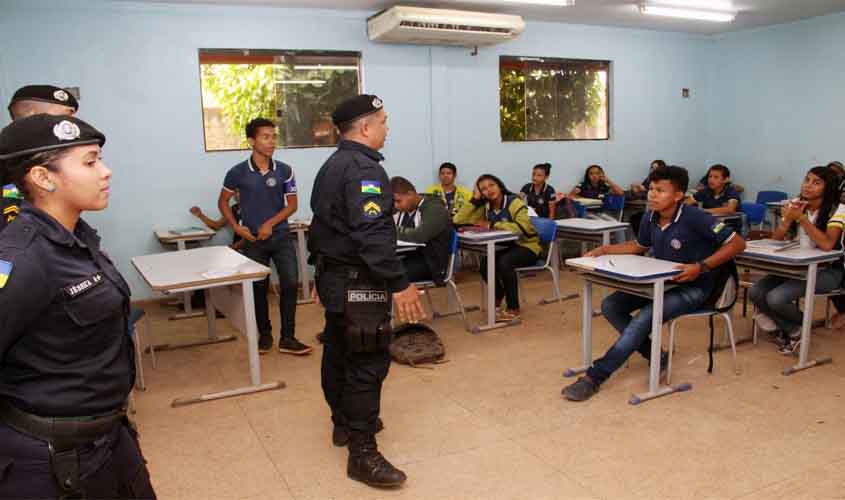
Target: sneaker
[(791, 347), (293, 346), (265, 343), (582, 390), (506, 316), (765, 323)]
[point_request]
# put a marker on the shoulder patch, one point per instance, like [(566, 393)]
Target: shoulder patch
[(371, 187), (371, 210), (5, 271), (11, 191)]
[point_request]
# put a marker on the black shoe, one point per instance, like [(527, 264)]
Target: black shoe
[(581, 390), (369, 466), (293, 346), (340, 434), (265, 343)]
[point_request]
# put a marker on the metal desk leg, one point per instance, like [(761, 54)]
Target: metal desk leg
[(555, 263), (254, 361), (586, 331), (186, 296), (491, 293), (302, 260), (655, 390), (211, 317), (807, 326), (605, 240)]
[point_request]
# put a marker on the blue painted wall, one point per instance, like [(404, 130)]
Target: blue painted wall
[(138, 72)]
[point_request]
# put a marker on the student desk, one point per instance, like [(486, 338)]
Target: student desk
[(589, 203), (208, 269), (299, 228), (637, 275), (586, 230), (796, 263), (181, 238), (485, 241)]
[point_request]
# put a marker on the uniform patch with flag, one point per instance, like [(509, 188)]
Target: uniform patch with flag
[(5, 271), (372, 210), (718, 227), (371, 187), (11, 191)]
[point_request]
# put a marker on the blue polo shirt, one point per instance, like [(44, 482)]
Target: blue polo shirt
[(587, 190), (709, 200), (692, 236), (262, 195)]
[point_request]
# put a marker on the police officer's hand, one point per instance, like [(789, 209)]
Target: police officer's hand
[(265, 231), (409, 308), (689, 272), (244, 233), (195, 211)]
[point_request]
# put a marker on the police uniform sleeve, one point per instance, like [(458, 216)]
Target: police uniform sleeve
[(710, 228), (369, 203), (24, 294)]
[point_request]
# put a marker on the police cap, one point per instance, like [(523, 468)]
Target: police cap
[(40, 133), (45, 93), (356, 107)]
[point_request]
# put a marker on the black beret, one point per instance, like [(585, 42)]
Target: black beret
[(356, 107), (40, 133), (45, 93)]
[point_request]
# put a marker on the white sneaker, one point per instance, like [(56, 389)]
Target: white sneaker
[(765, 323)]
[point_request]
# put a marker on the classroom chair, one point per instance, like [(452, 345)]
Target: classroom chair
[(764, 197), (449, 283), (614, 204), (135, 315), (547, 229), (755, 213)]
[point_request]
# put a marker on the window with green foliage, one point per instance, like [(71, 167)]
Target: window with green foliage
[(297, 89), (542, 99)]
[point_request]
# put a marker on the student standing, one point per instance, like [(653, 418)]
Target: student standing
[(671, 231), (267, 191), (452, 193), (537, 194)]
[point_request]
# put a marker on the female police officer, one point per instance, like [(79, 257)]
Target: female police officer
[(66, 364)]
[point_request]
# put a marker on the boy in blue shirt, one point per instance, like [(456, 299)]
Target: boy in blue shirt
[(671, 231), (719, 197), (267, 191)]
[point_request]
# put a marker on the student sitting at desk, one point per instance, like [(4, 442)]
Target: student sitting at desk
[(422, 218), (640, 191), (537, 194), (494, 207), (674, 232), (453, 194), (817, 220), (719, 197), (597, 185), (215, 224)]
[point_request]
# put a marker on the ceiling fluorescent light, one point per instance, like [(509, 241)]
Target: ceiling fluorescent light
[(718, 5), (557, 3), (698, 15)]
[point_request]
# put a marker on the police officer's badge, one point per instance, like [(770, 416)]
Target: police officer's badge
[(61, 95), (66, 131), (372, 210), (676, 243), (271, 182), (378, 103)]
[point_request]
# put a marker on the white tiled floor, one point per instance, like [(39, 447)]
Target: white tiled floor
[(490, 423)]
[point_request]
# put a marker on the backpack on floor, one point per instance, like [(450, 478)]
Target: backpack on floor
[(415, 344)]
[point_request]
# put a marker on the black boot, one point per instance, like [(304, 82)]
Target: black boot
[(369, 466), (340, 434)]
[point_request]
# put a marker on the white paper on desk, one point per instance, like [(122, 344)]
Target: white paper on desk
[(226, 271), (633, 266)]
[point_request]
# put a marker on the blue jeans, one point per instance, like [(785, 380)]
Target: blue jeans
[(279, 249), (635, 331), (775, 296)]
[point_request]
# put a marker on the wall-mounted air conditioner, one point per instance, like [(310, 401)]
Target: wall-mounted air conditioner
[(443, 27)]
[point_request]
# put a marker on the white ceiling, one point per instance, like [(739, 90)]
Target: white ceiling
[(753, 13)]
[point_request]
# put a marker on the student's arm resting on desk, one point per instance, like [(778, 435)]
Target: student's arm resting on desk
[(730, 244), (433, 218), (469, 214), (628, 248), (825, 240), (728, 208), (521, 224)]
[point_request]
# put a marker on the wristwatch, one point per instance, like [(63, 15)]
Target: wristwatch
[(704, 267)]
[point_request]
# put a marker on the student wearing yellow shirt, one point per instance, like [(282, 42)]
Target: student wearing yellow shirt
[(454, 195)]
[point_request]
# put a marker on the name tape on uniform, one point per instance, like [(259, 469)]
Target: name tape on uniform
[(366, 296), (83, 286)]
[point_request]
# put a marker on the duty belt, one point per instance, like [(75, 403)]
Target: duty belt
[(62, 433)]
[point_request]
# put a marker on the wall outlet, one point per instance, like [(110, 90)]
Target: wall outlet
[(685, 93)]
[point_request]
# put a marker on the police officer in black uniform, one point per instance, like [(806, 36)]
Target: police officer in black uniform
[(352, 242), (26, 101), (66, 360)]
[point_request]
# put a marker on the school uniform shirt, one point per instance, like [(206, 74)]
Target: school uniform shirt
[(513, 217), (690, 237), (454, 200), (587, 190), (541, 201), (709, 200), (837, 220), (262, 196)]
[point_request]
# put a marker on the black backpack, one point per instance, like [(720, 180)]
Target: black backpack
[(722, 298), (414, 344)]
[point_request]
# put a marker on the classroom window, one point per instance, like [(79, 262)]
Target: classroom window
[(546, 99), (297, 89)]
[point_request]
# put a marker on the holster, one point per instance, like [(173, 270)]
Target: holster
[(367, 311)]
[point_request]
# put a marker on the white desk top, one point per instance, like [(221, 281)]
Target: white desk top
[(190, 233), (589, 202), (295, 224), (634, 268), (201, 266), (589, 225), (408, 244), (796, 256), (486, 236), (776, 203)]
